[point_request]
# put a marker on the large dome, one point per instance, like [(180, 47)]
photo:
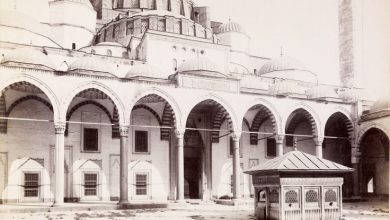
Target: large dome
[(27, 29), (287, 68), (28, 56), (230, 27)]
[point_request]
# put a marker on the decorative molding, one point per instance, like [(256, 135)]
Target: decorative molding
[(60, 127), (124, 130)]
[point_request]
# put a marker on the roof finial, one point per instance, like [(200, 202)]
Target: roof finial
[(281, 51)]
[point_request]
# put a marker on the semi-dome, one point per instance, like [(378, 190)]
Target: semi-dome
[(287, 68), (90, 63), (321, 92), (145, 70), (381, 104), (230, 27), (28, 56)]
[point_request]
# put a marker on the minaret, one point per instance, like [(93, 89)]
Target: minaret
[(350, 42)]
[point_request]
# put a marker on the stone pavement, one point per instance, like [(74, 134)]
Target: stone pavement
[(352, 211)]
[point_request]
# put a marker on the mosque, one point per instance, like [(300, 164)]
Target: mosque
[(151, 100)]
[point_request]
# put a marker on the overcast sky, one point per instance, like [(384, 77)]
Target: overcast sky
[(308, 30)]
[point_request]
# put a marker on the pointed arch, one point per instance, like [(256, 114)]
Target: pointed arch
[(115, 131), (221, 104), (171, 118), (342, 117), (7, 112), (102, 90), (268, 109), (38, 84), (308, 114)]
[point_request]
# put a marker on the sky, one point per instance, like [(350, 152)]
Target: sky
[(308, 31)]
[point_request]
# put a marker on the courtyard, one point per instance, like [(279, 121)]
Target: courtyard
[(208, 211)]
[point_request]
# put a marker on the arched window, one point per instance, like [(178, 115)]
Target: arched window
[(311, 196), (93, 51), (109, 52)]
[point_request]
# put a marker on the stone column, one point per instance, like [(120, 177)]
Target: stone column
[(279, 145), (123, 187), (319, 146), (355, 158), (236, 166), (180, 165), (59, 163)]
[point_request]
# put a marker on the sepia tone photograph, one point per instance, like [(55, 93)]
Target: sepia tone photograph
[(194, 109)]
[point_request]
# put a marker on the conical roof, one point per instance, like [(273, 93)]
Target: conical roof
[(297, 161)]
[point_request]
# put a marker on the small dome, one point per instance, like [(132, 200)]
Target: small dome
[(230, 27), (29, 56), (321, 92), (287, 68), (281, 63), (283, 88), (198, 64), (381, 104), (145, 70), (90, 63)]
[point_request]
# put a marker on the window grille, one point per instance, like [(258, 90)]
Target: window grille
[(144, 25), (90, 184), (176, 27), (91, 142), (31, 185), (311, 196), (141, 141), (141, 184), (291, 196), (330, 196)]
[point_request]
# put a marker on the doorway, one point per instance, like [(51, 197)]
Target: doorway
[(193, 146)]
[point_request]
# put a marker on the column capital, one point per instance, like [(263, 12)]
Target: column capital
[(355, 155), (318, 140), (179, 133), (236, 135), (124, 130), (59, 127), (279, 138)]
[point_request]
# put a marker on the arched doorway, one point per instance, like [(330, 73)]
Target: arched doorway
[(92, 130), (26, 132), (151, 139), (301, 131), (374, 166), (208, 128), (337, 147)]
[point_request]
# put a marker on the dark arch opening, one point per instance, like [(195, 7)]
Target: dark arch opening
[(301, 122), (374, 166)]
